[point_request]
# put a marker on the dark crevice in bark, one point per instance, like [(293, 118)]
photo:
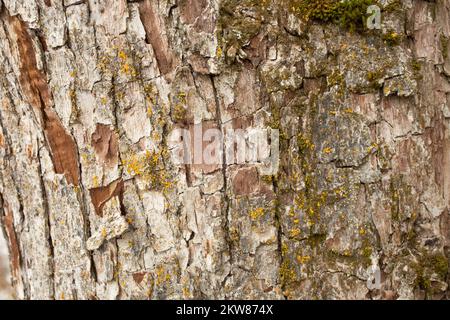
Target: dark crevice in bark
[(116, 119), (279, 226), (47, 220), (226, 207), (83, 202)]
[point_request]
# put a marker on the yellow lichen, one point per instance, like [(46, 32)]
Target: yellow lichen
[(104, 232), (294, 232), (303, 259), (257, 213), (162, 276), (150, 167), (95, 182)]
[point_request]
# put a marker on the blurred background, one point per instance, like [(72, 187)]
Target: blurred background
[(5, 285)]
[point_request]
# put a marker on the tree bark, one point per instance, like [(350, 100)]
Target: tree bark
[(5, 285), (93, 207)]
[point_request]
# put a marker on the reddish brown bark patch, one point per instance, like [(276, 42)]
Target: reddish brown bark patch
[(64, 151), (156, 35), (257, 49), (247, 97), (32, 80), (439, 141), (245, 182), (34, 84), (105, 143), (389, 295), (12, 240), (101, 195), (138, 277)]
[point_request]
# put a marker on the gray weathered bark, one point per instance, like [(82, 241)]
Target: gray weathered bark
[(93, 206), (5, 285)]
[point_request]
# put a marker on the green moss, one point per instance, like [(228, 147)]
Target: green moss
[(422, 282), (366, 251), (350, 14), (400, 193), (275, 120), (310, 200), (439, 263), (395, 211), (322, 10), (236, 27), (444, 46), (394, 6), (428, 266), (336, 78), (316, 240), (392, 38), (268, 179), (416, 66), (374, 78), (179, 111)]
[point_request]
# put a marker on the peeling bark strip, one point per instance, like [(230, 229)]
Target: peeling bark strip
[(156, 35), (64, 150), (12, 240), (32, 80), (34, 85), (100, 196)]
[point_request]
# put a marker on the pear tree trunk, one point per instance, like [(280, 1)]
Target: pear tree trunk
[(94, 207)]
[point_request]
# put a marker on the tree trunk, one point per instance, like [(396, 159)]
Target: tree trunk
[(95, 207)]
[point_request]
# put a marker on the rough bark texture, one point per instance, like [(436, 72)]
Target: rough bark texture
[(5, 285), (92, 206)]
